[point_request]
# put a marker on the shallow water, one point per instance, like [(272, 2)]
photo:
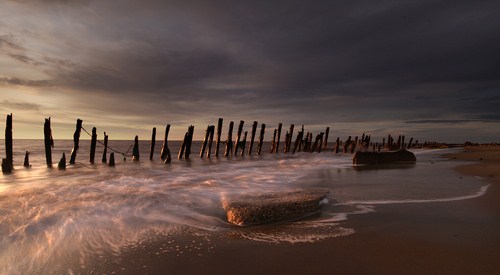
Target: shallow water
[(53, 220)]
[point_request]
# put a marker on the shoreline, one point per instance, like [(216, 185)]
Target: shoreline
[(459, 237)]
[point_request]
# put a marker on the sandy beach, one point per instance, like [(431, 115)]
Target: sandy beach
[(459, 237)]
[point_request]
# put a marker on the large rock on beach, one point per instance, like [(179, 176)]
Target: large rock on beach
[(275, 207), (400, 156)]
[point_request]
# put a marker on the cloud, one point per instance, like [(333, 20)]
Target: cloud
[(14, 81)]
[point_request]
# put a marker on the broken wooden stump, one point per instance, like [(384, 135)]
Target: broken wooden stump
[(135, 151), (62, 163), (48, 142), (27, 160), (6, 166), (153, 143), (275, 207), (76, 141), (400, 156), (111, 159), (93, 143), (165, 151)]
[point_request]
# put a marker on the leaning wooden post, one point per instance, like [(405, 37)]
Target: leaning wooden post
[(27, 160), (210, 140), (76, 141), (229, 141), (261, 138), (189, 141), (105, 152), (410, 143), (47, 133), (153, 143), (243, 143), (8, 144), (183, 146), (135, 151), (278, 137), (326, 137), (219, 132), (62, 163), (252, 137), (111, 159), (93, 143), (165, 151), (273, 145), (238, 137), (205, 141)]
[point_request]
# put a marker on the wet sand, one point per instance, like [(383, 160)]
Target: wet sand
[(459, 237)]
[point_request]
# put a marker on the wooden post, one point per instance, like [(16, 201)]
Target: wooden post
[(347, 143), (298, 140), (165, 151), (47, 132), (76, 141), (153, 143), (273, 145), (205, 140), (278, 138), (183, 145), (327, 132), (261, 138), (320, 144), (93, 144), (189, 141), (301, 140), (62, 163), (135, 151), (290, 136), (210, 140), (105, 152), (402, 142), (238, 138), (219, 132), (337, 145), (8, 144), (229, 140), (287, 136), (252, 137), (27, 160), (243, 143), (315, 146)]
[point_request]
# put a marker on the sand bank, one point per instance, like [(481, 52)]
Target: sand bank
[(458, 237)]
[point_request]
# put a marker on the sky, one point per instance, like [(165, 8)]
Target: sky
[(425, 68)]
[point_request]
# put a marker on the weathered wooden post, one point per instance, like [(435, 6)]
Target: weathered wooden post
[(337, 145), (290, 136), (189, 141), (320, 144), (261, 138), (287, 136), (252, 137), (298, 140), (105, 152), (243, 143), (398, 145), (347, 143), (229, 141), (183, 146), (219, 132), (205, 140), (410, 143), (210, 140), (62, 163), (273, 144), (315, 146), (48, 141), (278, 138), (153, 143), (76, 141), (9, 163), (93, 142), (165, 151), (402, 142), (111, 159), (135, 151), (327, 132), (383, 142), (238, 138), (27, 160)]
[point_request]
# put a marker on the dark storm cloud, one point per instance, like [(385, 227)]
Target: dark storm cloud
[(313, 62)]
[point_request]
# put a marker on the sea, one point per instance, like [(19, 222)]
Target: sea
[(54, 221)]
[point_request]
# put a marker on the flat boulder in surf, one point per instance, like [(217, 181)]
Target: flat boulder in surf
[(400, 156), (274, 207)]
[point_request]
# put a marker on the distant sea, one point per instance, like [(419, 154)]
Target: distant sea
[(52, 221)]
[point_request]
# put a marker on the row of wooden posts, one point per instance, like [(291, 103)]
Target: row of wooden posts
[(303, 142)]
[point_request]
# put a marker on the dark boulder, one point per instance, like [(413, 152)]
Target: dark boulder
[(400, 156)]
